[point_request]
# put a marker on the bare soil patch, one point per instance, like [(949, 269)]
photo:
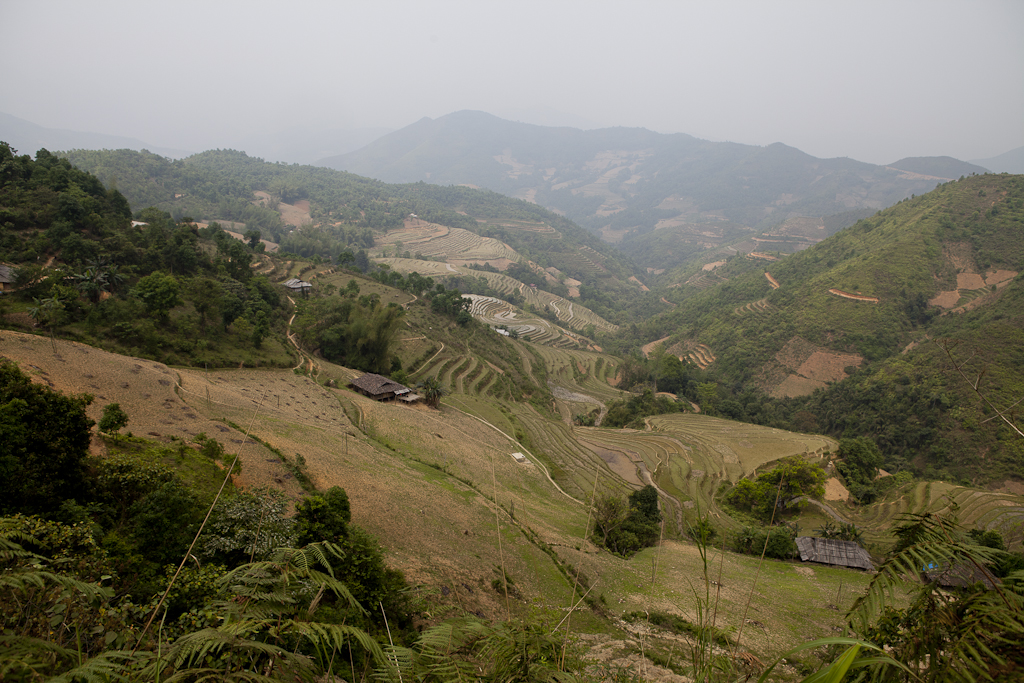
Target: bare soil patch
[(643, 287), (827, 366), (772, 282), (834, 490), (969, 281), (716, 264), (999, 278), (945, 299), (960, 255), (813, 367), (1012, 486), (296, 214), (147, 391), (795, 352), (794, 386)]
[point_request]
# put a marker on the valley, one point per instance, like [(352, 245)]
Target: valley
[(718, 370)]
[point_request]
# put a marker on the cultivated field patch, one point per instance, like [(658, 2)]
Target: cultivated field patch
[(808, 367)]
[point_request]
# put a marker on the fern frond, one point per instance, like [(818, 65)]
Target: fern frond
[(112, 665)]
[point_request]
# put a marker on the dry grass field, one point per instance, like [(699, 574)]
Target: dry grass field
[(442, 493)]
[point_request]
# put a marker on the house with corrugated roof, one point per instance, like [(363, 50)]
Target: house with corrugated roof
[(383, 389), (834, 552)]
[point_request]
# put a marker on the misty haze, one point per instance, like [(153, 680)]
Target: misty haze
[(512, 341)]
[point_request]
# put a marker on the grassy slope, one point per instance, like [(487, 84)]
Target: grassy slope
[(425, 483)]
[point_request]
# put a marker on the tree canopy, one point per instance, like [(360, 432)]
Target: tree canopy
[(44, 440)]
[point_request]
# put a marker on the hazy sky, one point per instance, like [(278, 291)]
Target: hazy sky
[(876, 81)]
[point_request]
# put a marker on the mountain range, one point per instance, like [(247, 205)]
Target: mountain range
[(626, 183)]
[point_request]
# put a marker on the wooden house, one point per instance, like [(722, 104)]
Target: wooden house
[(7, 276), (383, 389)]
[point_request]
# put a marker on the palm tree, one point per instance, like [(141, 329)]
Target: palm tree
[(433, 391)]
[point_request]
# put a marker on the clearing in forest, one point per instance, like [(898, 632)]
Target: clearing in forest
[(801, 367)]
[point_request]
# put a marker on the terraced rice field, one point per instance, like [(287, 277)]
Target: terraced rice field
[(759, 308), (582, 372), (704, 280), (438, 241), (976, 508), (689, 456), (464, 374), (571, 314), (701, 356)]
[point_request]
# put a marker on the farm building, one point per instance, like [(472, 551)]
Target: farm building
[(834, 552), (7, 275), (297, 285), (961, 575), (383, 389)]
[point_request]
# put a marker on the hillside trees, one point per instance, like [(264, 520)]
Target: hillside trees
[(632, 411), (626, 526), (433, 391), (977, 627), (792, 478), (159, 293), (359, 335), (860, 460), (44, 440)]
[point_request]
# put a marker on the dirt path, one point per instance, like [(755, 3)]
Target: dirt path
[(425, 364), (304, 358), (522, 448), (772, 282), (824, 508), (647, 348)]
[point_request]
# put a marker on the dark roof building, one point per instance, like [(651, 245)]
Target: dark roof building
[(7, 277), (834, 552), (960, 575), (383, 389), (297, 285)]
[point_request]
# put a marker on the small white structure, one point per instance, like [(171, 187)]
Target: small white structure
[(519, 457)]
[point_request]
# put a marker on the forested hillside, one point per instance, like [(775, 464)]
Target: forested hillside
[(622, 183), (862, 312)]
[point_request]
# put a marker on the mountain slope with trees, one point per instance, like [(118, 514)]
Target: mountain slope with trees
[(349, 211), (875, 298), (629, 181)]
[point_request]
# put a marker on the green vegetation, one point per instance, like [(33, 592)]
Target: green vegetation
[(46, 437), (768, 496), (94, 542), (632, 411), (624, 527)]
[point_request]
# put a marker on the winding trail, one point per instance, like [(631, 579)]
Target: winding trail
[(304, 357), (521, 447), (426, 363), (823, 507)]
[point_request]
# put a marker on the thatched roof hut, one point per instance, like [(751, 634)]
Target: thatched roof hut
[(834, 552)]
